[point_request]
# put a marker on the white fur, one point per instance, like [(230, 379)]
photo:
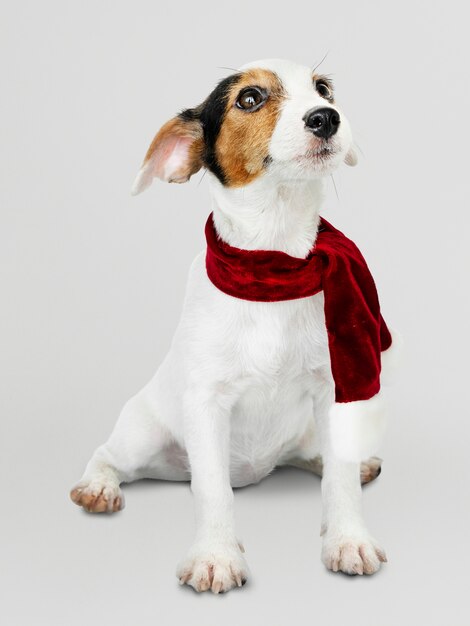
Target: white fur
[(143, 179), (247, 385), (357, 428)]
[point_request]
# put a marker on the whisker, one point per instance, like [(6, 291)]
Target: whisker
[(203, 174), (359, 148), (334, 185), (318, 64)]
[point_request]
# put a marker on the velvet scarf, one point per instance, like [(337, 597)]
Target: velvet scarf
[(357, 333)]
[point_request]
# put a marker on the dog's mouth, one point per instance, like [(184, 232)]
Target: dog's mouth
[(320, 158), (321, 154)]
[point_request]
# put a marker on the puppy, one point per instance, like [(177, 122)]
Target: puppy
[(249, 382)]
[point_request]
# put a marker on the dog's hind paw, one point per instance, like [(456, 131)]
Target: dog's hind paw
[(370, 469), (98, 497)]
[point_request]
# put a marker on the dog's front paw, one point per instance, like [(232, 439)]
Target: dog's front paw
[(352, 554), (218, 567)]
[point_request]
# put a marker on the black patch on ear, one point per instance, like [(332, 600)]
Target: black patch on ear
[(211, 113), (189, 115)]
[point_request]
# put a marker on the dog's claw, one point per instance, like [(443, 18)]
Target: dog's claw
[(357, 555), (217, 587), (218, 568), (382, 556)]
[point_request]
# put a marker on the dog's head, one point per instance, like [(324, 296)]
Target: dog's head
[(269, 117)]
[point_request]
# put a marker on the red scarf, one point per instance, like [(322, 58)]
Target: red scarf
[(356, 330)]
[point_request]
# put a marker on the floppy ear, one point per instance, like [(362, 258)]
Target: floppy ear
[(351, 157), (174, 155)]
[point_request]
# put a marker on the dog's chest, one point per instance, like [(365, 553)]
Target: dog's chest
[(278, 340), (278, 348), (240, 342), (267, 357), (233, 338)]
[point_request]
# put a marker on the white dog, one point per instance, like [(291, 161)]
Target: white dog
[(248, 385)]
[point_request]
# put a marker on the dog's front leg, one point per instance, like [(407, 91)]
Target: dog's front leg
[(215, 560), (347, 544)]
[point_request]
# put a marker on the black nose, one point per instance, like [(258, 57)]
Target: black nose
[(322, 122)]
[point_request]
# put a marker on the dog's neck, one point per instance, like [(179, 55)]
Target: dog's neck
[(269, 215)]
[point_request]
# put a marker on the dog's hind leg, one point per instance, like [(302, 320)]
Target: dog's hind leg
[(132, 448), (370, 469)]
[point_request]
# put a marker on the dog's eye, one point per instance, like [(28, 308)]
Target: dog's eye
[(251, 99), (324, 89)]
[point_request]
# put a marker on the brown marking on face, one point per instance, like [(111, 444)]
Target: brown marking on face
[(242, 146), (178, 130)]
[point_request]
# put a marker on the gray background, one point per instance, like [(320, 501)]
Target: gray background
[(92, 282)]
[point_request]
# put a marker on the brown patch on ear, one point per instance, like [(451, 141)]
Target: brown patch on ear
[(175, 130), (174, 155), (242, 147)]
